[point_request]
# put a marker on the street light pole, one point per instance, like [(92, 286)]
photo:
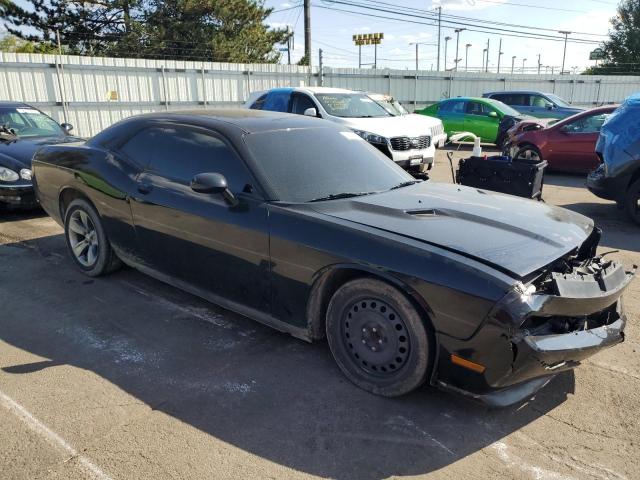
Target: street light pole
[(484, 54), (439, 35), (500, 52), (513, 60), (523, 60), (457, 30), (416, 56), (564, 54), (486, 65), (466, 57), (446, 43)]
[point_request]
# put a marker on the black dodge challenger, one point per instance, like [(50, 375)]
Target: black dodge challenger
[(302, 225)]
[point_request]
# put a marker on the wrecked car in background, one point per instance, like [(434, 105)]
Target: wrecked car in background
[(410, 281), (618, 175)]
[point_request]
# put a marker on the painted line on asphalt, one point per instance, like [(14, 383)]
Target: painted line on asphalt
[(50, 436)]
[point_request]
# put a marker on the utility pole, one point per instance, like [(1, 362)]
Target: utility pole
[(564, 55), (486, 66), (417, 56), (513, 60), (523, 60), (484, 54), (320, 69), (63, 89), (539, 64), (439, 35), (307, 30), (457, 30), (500, 52), (446, 42), (466, 57)]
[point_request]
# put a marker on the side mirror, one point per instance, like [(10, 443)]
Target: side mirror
[(549, 106), (493, 115), (67, 127), (212, 183), (311, 112)]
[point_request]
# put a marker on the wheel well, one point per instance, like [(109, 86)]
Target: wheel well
[(635, 176), (328, 284), (67, 196)]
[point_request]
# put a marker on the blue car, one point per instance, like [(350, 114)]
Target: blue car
[(536, 104), (618, 176)]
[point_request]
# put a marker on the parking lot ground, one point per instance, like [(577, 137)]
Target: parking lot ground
[(123, 377)]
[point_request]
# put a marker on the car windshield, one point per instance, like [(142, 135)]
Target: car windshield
[(392, 106), (305, 164), (504, 108), (29, 122), (350, 105), (557, 100)]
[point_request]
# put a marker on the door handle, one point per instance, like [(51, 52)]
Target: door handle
[(144, 187)]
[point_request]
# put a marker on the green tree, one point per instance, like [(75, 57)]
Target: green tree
[(622, 50), (224, 31), (11, 43)]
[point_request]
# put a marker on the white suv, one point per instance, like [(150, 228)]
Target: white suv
[(406, 139)]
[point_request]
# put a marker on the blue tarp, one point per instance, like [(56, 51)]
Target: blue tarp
[(619, 142)]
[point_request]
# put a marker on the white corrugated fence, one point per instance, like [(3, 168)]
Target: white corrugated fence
[(94, 92)]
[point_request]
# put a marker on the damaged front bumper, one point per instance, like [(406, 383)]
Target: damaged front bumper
[(539, 329)]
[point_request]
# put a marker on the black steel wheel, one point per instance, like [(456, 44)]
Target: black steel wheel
[(87, 241), (632, 201), (377, 337)]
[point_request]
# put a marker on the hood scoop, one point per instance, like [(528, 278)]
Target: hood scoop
[(422, 213)]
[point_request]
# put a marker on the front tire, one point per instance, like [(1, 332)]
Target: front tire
[(528, 152), (87, 241), (378, 338), (632, 201)]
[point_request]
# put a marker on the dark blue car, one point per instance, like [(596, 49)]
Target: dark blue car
[(618, 176), (24, 129), (536, 104)]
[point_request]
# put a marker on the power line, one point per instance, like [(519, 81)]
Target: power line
[(477, 28)]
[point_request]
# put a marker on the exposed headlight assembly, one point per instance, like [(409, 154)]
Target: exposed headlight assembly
[(370, 137), (8, 175), (25, 174)]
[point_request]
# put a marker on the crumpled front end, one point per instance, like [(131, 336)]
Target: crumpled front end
[(564, 314)]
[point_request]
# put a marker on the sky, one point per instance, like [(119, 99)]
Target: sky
[(332, 31)]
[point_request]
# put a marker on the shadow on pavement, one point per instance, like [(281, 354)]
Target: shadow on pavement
[(240, 382)]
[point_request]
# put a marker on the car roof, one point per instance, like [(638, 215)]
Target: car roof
[(519, 91), (247, 120), (14, 104)]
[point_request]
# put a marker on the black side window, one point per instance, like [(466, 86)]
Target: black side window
[(179, 153), (301, 102), (452, 106), (277, 102), (259, 103)]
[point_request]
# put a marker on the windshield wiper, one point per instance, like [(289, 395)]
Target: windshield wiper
[(335, 196), (405, 184)]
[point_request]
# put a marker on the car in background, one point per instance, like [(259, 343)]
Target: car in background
[(486, 118), (535, 104), (618, 175), (409, 281), (567, 145), (407, 141), (24, 129), (395, 108)]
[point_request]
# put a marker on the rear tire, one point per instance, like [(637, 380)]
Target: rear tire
[(378, 338), (87, 241), (632, 201)]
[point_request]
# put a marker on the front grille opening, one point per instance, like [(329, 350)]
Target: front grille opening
[(559, 324), (410, 143)]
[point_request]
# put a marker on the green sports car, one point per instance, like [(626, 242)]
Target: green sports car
[(488, 119)]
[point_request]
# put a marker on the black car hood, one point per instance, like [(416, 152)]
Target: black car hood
[(17, 154), (511, 234)]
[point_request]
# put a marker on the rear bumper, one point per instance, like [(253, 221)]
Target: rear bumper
[(18, 196), (609, 188)]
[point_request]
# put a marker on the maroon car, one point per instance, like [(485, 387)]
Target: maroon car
[(567, 145)]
